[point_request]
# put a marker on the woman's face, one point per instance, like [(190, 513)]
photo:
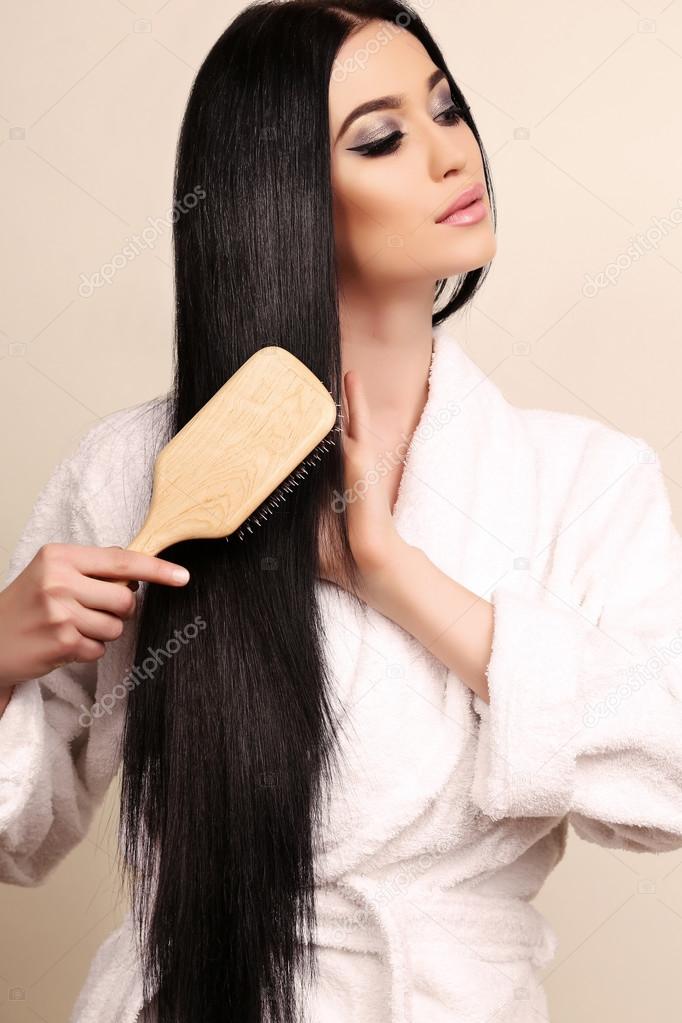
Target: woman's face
[(387, 206)]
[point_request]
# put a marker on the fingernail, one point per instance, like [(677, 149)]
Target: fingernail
[(180, 575)]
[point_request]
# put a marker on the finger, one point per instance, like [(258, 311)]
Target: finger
[(88, 650), (358, 417), (101, 595), (95, 625), (89, 628), (117, 563)]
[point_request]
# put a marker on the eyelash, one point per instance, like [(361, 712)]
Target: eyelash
[(391, 143)]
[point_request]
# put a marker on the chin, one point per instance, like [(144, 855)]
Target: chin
[(470, 257)]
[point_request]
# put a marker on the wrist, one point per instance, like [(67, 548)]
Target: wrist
[(386, 585)]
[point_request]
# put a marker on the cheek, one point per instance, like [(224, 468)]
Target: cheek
[(384, 224), (375, 216)]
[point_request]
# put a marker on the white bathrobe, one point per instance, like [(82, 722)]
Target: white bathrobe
[(449, 813)]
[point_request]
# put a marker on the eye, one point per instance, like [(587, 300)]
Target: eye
[(391, 143), (453, 114), (387, 145)]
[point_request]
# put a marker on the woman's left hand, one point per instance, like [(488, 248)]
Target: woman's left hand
[(374, 540)]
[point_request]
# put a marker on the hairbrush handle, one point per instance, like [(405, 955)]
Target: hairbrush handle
[(146, 542), (167, 522), (250, 438)]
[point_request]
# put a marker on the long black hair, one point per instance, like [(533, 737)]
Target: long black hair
[(228, 748)]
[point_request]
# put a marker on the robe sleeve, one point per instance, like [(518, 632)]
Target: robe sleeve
[(53, 772), (585, 711)]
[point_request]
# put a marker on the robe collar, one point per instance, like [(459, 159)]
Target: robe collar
[(468, 493)]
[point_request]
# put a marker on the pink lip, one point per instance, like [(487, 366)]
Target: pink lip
[(468, 208)]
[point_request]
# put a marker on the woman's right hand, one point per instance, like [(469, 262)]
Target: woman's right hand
[(65, 606)]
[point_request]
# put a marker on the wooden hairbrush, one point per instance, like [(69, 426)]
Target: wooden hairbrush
[(234, 462)]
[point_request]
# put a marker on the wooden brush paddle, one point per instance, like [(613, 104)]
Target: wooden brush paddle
[(243, 451)]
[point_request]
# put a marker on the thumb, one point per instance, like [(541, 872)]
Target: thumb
[(358, 407)]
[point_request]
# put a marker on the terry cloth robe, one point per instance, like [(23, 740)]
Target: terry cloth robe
[(450, 812)]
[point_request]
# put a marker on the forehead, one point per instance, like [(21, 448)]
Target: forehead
[(379, 59)]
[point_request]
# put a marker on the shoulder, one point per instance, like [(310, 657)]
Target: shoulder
[(563, 445), (589, 485), (601, 482), (582, 449), (98, 494), (109, 472), (567, 434), (606, 509), (125, 437)]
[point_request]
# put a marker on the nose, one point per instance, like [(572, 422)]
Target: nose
[(446, 149)]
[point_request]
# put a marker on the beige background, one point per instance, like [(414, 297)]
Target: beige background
[(578, 105)]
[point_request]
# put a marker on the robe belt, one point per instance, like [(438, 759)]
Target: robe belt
[(491, 927), (396, 946)]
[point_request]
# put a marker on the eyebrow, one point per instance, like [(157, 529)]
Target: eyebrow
[(386, 102)]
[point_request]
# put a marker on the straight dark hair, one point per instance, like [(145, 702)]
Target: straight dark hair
[(229, 748)]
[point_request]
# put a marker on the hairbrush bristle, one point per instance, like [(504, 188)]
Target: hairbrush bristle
[(260, 515)]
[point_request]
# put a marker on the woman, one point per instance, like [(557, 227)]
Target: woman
[(345, 771)]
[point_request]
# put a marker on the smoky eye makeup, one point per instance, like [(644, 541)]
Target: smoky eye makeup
[(377, 133), (445, 103), (386, 137)]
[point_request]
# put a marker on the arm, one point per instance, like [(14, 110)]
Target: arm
[(585, 717), (55, 761), (452, 623), (577, 717), (582, 712)]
